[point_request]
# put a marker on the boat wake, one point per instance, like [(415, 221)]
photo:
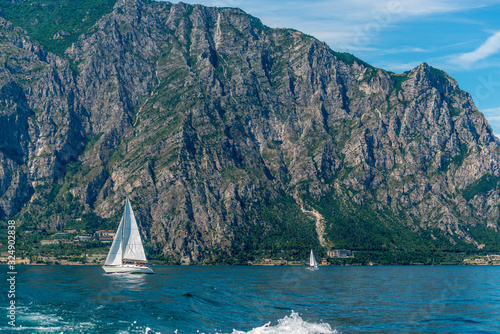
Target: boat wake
[(58, 321), (292, 324), (37, 322)]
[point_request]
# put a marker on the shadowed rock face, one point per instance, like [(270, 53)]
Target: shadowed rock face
[(217, 126)]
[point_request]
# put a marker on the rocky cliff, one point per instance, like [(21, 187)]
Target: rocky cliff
[(231, 138)]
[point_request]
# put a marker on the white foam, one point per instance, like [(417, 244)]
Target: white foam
[(33, 329), (49, 323), (41, 319), (292, 324)]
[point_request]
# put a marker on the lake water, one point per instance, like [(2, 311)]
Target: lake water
[(253, 299)]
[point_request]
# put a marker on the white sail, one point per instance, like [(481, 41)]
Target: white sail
[(115, 253), (127, 247), (132, 244), (312, 261)]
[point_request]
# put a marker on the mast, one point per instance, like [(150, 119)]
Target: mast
[(123, 229)]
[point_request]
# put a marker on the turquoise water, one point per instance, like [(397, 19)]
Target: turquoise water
[(193, 299)]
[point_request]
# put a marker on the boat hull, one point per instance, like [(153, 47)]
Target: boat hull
[(130, 269)]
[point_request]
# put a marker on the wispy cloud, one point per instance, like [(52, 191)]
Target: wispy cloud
[(492, 114), (493, 117), (490, 47), (431, 7), (403, 49), (399, 67)]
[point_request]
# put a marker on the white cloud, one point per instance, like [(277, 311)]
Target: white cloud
[(493, 117), (431, 7), (398, 67), (497, 136), (492, 114), (403, 49), (490, 47)]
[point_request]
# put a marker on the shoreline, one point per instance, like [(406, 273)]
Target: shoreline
[(264, 265), (99, 259)]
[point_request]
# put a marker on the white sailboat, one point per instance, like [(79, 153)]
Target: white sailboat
[(313, 265), (127, 253)]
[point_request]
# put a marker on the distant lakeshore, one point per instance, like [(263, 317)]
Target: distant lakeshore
[(98, 260)]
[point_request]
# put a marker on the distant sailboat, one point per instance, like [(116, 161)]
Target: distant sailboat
[(127, 253), (313, 265)]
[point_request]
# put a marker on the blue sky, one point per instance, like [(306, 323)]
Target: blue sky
[(460, 37)]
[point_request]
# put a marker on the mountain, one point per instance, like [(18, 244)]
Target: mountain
[(233, 140)]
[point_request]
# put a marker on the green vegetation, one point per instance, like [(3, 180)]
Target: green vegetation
[(486, 183), (28, 246), (91, 141), (90, 222), (454, 111), (423, 257), (349, 58), (56, 24), (276, 229), (488, 236), (360, 228), (54, 207), (438, 73), (398, 79), (458, 159)]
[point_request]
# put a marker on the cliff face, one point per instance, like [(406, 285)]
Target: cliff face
[(228, 136), (42, 121)]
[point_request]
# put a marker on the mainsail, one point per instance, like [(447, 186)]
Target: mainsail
[(312, 261), (127, 244), (132, 244)]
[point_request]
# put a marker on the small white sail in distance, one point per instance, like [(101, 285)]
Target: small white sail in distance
[(313, 265)]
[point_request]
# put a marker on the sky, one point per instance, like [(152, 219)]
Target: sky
[(458, 36)]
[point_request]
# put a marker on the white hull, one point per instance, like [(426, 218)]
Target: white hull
[(127, 268)]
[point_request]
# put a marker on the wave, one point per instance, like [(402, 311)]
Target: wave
[(33, 321), (292, 324), (36, 322)]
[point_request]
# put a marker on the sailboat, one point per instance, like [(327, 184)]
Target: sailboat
[(313, 265), (127, 253)]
